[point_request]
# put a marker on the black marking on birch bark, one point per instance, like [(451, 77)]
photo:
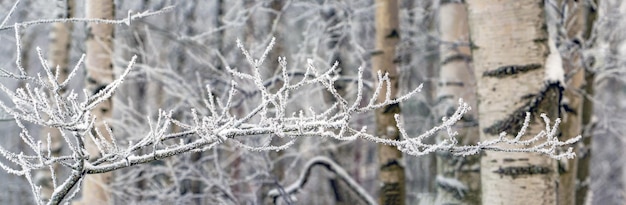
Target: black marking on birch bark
[(391, 193), (516, 171), (460, 84), (508, 70), (450, 111), (98, 89), (91, 80), (562, 167), (508, 160), (577, 42), (474, 46), (536, 104), (393, 108), (469, 121), (568, 109), (393, 34), (397, 60), (391, 164), (540, 40), (376, 52), (444, 2), (456, 57), (62, 90)]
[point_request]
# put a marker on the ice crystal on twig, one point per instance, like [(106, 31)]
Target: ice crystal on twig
[(41, 103)]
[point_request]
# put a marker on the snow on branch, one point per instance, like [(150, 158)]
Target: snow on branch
[(545, 142), (126, 21), (41, 103)]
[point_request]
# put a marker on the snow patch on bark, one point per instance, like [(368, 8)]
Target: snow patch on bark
[(554, 65)]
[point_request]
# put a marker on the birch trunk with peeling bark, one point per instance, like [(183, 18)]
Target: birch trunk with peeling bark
[(510, 50), (458, 178), (391, 175), (99, 48)]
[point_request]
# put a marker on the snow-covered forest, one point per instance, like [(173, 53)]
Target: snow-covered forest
[(312, 102)]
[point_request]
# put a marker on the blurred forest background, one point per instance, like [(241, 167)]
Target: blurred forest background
[(181, 51)]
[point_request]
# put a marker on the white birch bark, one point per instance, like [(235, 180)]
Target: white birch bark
[(509, 54), (458, 178), (391, 174), (99, 65)]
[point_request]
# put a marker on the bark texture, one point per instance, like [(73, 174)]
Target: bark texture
[(571, 33), (509, 51), (391, 173), (458, 178), (99, 46), (589, 15)]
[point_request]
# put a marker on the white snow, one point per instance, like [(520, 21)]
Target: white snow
[(554, 65)]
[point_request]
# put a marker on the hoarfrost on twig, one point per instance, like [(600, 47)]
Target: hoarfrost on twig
[(39, 102)]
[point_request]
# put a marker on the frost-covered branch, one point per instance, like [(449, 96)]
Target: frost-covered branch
[(545, 142), (40, 102), (127, 21), (330, 166)]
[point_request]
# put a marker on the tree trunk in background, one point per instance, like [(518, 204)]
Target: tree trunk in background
[(60, 39), (577, 28), (589, 14), (584, 152), (272, 68), (509, 53), (571, 126), (60, 42), (419, 64), (391, 173), (277, 31), (99, 48), (346, 155), (218, 40), (456, 81)]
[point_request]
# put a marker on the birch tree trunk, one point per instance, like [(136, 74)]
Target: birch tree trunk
[(391, 173), (60, 42), (589, 14), (456, 81), (99, 65), (571, 31), (60, 39), (571, 126), (509, 53)]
